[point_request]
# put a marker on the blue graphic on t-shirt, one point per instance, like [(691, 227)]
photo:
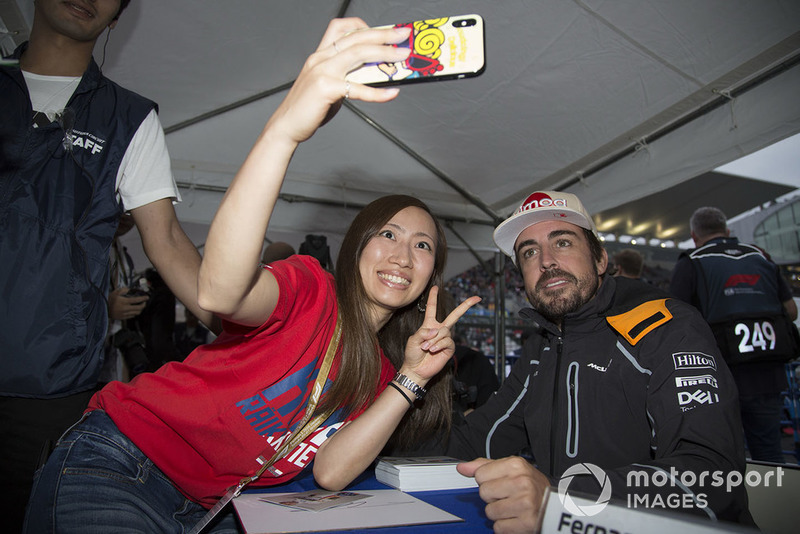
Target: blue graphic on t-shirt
[(270, 411)]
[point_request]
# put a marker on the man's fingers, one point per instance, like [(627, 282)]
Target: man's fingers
[(468, 468), (512, 490), (137, 302), (503, 468)]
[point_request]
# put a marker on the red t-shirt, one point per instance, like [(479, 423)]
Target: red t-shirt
[(205, 420)]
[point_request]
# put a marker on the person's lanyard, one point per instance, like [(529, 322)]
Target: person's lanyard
[(303, 429)]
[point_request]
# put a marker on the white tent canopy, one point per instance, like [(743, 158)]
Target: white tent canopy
[(611, 100)]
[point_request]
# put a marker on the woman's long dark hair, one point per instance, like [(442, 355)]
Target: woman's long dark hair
[(359, 371)]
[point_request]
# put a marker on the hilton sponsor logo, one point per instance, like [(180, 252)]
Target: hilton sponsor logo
[(693, 360)]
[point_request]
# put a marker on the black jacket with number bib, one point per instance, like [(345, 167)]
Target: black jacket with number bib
[(632, 383)]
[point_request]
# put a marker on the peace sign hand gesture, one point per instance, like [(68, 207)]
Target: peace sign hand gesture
[(429, 349)]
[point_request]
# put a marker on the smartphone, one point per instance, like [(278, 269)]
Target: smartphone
[(441, 49)]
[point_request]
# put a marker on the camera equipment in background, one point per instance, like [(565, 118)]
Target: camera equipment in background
[(139, 288), (130, 343)]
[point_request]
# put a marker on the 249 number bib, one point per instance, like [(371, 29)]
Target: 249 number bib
[(755, 339), (755, 336)]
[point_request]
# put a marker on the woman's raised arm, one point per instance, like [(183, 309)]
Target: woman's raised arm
[(230, 282)]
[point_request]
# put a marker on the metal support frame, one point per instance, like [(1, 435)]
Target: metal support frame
[(500, 316)]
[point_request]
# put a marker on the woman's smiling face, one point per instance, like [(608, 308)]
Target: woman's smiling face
[(397, 263)]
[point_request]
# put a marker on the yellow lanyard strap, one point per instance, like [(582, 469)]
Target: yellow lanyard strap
[(305, 427)]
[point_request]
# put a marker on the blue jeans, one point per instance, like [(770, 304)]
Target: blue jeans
[(97, 481)]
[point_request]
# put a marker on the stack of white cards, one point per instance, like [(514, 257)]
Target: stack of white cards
[(425, 473)]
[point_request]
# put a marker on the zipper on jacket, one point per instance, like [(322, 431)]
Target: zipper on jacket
[(573, 424), (554, 425)]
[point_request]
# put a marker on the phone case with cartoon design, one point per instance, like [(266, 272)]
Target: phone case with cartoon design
[(441, 49)]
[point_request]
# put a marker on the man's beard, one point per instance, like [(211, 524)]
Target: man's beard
[(570, 298)]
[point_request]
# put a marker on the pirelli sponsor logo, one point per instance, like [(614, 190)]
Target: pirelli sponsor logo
[(700, 380), (693, 360)]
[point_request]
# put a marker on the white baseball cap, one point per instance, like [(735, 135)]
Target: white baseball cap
[(541, 206)]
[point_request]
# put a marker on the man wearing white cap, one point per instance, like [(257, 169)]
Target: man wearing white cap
[(618, 375)]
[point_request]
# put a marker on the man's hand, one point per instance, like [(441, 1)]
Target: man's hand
[(511, 488), (121, 306)]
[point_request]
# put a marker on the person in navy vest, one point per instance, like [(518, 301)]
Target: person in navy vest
[(76, 152), (744, 297)]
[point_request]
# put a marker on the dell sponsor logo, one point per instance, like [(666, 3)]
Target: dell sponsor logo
[(699, 396)]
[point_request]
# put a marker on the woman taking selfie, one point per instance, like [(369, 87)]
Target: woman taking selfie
[(307, 368)]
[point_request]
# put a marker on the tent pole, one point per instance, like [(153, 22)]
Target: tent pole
[(244, 101), (287, 197), (475, 201), (343, 9), (499, 317), (720, 100), (229, 107), (486, 266)]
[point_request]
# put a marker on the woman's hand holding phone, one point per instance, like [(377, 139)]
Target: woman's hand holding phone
[(445, 48), (346, 45)]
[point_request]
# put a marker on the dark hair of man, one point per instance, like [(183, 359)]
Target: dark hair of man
[(595, 246), (359, 372), (708, 221), (629, 261), (122, 5)]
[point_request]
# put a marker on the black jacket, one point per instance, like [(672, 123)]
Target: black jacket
[(649, 394)]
